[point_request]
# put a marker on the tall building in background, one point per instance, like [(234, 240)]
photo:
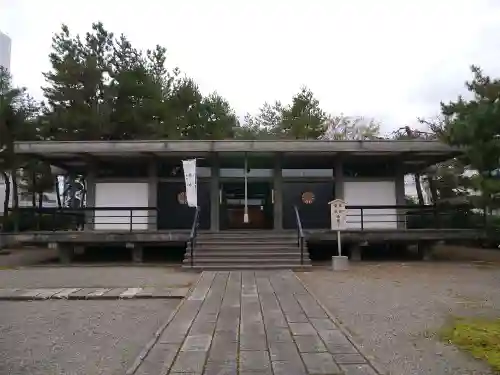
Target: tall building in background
[(5, 46)]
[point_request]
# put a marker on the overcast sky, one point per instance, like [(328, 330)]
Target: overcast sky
[(388, 59)]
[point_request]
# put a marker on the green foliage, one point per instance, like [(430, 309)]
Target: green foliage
[(474, 125), (303, 119), (218, 119), (26, 219), (450, 181), (18, 114), (264, 125), (35, 180), (18, 121), (481, 338), (102, 87)]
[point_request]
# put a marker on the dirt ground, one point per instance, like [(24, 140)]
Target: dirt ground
[(462, 253), (396, 309), (19, 257)]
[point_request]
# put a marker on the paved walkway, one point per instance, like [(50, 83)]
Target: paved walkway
[(250, 323), (21, 294)]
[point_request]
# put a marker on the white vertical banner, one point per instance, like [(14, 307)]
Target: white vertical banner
[(189, 167), (245, 212)]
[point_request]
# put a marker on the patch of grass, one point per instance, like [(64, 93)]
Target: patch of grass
[(481, 338)]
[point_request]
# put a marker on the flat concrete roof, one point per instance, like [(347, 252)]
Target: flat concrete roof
[(415, 155), (46, 148)]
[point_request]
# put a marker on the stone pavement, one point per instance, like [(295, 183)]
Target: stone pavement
[(250, 323), (21, 294)]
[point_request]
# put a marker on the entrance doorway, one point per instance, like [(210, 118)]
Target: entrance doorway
[(259, 201)]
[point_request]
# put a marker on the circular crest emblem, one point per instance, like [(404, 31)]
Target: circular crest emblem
[(181, 197), (308, 197)]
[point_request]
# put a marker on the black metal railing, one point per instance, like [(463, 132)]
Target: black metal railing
[(98, 218), (414, 217), (193, 234), (357, 217), (300, 234)]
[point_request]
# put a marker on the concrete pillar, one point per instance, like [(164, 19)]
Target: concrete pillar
[(66, 252), (425, 251), (355, 249), (339, 178), (79, 250), (278, 192), (137, 252), (214, 193), (399, 185), (90, 181), (152, 194)]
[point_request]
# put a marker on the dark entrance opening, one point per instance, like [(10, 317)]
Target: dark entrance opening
[(259, 201)]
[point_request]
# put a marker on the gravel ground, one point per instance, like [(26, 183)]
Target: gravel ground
[(394, 310), (95, 277), (76, 337)]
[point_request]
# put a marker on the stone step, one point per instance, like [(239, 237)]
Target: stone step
[(249, 267), (246, 241), (244, 247), (260, 236), (248, 260), (269, 232), (253, 252), (246, 250), (244, 254)]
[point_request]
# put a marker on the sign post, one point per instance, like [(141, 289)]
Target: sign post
[(338, 218)]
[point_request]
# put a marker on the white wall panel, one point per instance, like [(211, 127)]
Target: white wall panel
[(121, 194), (371, 193)]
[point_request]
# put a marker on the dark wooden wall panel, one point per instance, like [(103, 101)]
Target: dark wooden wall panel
[(174, 215), (315, 215)]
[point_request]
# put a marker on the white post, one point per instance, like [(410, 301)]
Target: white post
[(339, 245), (245, 215)]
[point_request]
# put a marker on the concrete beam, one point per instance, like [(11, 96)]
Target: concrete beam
[(98, 237), (397, 235), (192, 146)]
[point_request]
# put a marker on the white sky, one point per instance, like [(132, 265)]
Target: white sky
[(389, 59)]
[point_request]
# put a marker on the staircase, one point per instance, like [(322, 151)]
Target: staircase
[(246, 250)]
